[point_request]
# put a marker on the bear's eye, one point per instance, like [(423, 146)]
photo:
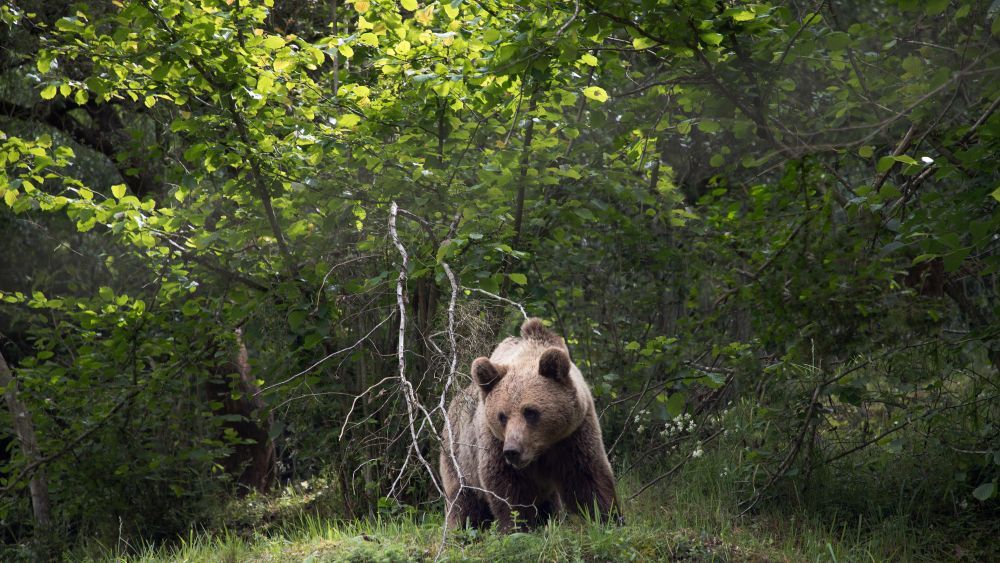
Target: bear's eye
[(531, 415), (503, 418)]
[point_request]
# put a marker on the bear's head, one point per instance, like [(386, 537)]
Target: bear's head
[(530, 405)]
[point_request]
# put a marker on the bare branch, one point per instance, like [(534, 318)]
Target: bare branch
[(409, 394), (499, 298), (325, 358)]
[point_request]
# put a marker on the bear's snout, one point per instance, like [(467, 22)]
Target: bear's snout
[(512, 456)]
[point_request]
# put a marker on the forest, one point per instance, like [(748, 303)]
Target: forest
[(249, 250)]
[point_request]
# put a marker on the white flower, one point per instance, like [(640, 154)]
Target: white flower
[(697, 453)]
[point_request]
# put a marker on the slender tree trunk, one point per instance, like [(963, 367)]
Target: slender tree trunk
[(254, 463), (24, 428)]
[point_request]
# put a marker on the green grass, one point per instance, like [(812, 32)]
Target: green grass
[(691, 518), (847, 514)]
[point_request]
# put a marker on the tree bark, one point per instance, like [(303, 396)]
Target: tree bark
[(253, 462), (24, 429)]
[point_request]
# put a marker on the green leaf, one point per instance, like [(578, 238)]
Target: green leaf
[(589, 59), (274, 42), (884, 163), (442, 251), (519, 279), (264, 84), (708, 126), (740, 15), (996, 194), (596, 93), (282, 64), (118, 190), (70, 24), (409, 5), (348, 120), (49, 92), (866, 151), (106, 293), (675, 405), (711, 38), (643, 43), (44, 62), (295, 320), (190, 308), (889, 191), (346, 50), (934, 7), (837, 40), (985, 491), (953, 260)]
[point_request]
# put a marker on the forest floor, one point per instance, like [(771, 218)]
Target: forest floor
[(692, 517)]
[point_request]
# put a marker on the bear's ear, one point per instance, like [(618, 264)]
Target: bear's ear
[(554, 364), (486, 374)]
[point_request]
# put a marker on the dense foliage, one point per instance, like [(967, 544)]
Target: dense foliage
[(786, 205)]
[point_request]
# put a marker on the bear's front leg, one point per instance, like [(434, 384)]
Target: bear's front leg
[(586, 478), (467, 507)]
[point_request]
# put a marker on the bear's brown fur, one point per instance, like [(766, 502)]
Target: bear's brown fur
[(524, 437)]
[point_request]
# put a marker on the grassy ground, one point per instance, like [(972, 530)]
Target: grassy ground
[(861, 510), (691, 517)]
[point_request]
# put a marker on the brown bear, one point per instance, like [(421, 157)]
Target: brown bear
[(524, 437)]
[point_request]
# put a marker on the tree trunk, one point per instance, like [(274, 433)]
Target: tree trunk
[(24, 429), (253, 462)]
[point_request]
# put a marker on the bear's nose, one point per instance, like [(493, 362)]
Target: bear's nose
[(512, 456)]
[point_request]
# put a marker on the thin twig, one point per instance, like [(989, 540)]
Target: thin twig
[(325, 358), (673, 469), (499, 298)]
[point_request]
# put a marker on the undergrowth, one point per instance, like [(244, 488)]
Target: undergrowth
[(856, 510), (693, 517)]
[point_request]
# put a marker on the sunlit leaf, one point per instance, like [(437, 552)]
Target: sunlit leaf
[(595, 93)]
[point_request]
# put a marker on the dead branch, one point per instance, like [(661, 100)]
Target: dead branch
[(409, 394), (499, 298)]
